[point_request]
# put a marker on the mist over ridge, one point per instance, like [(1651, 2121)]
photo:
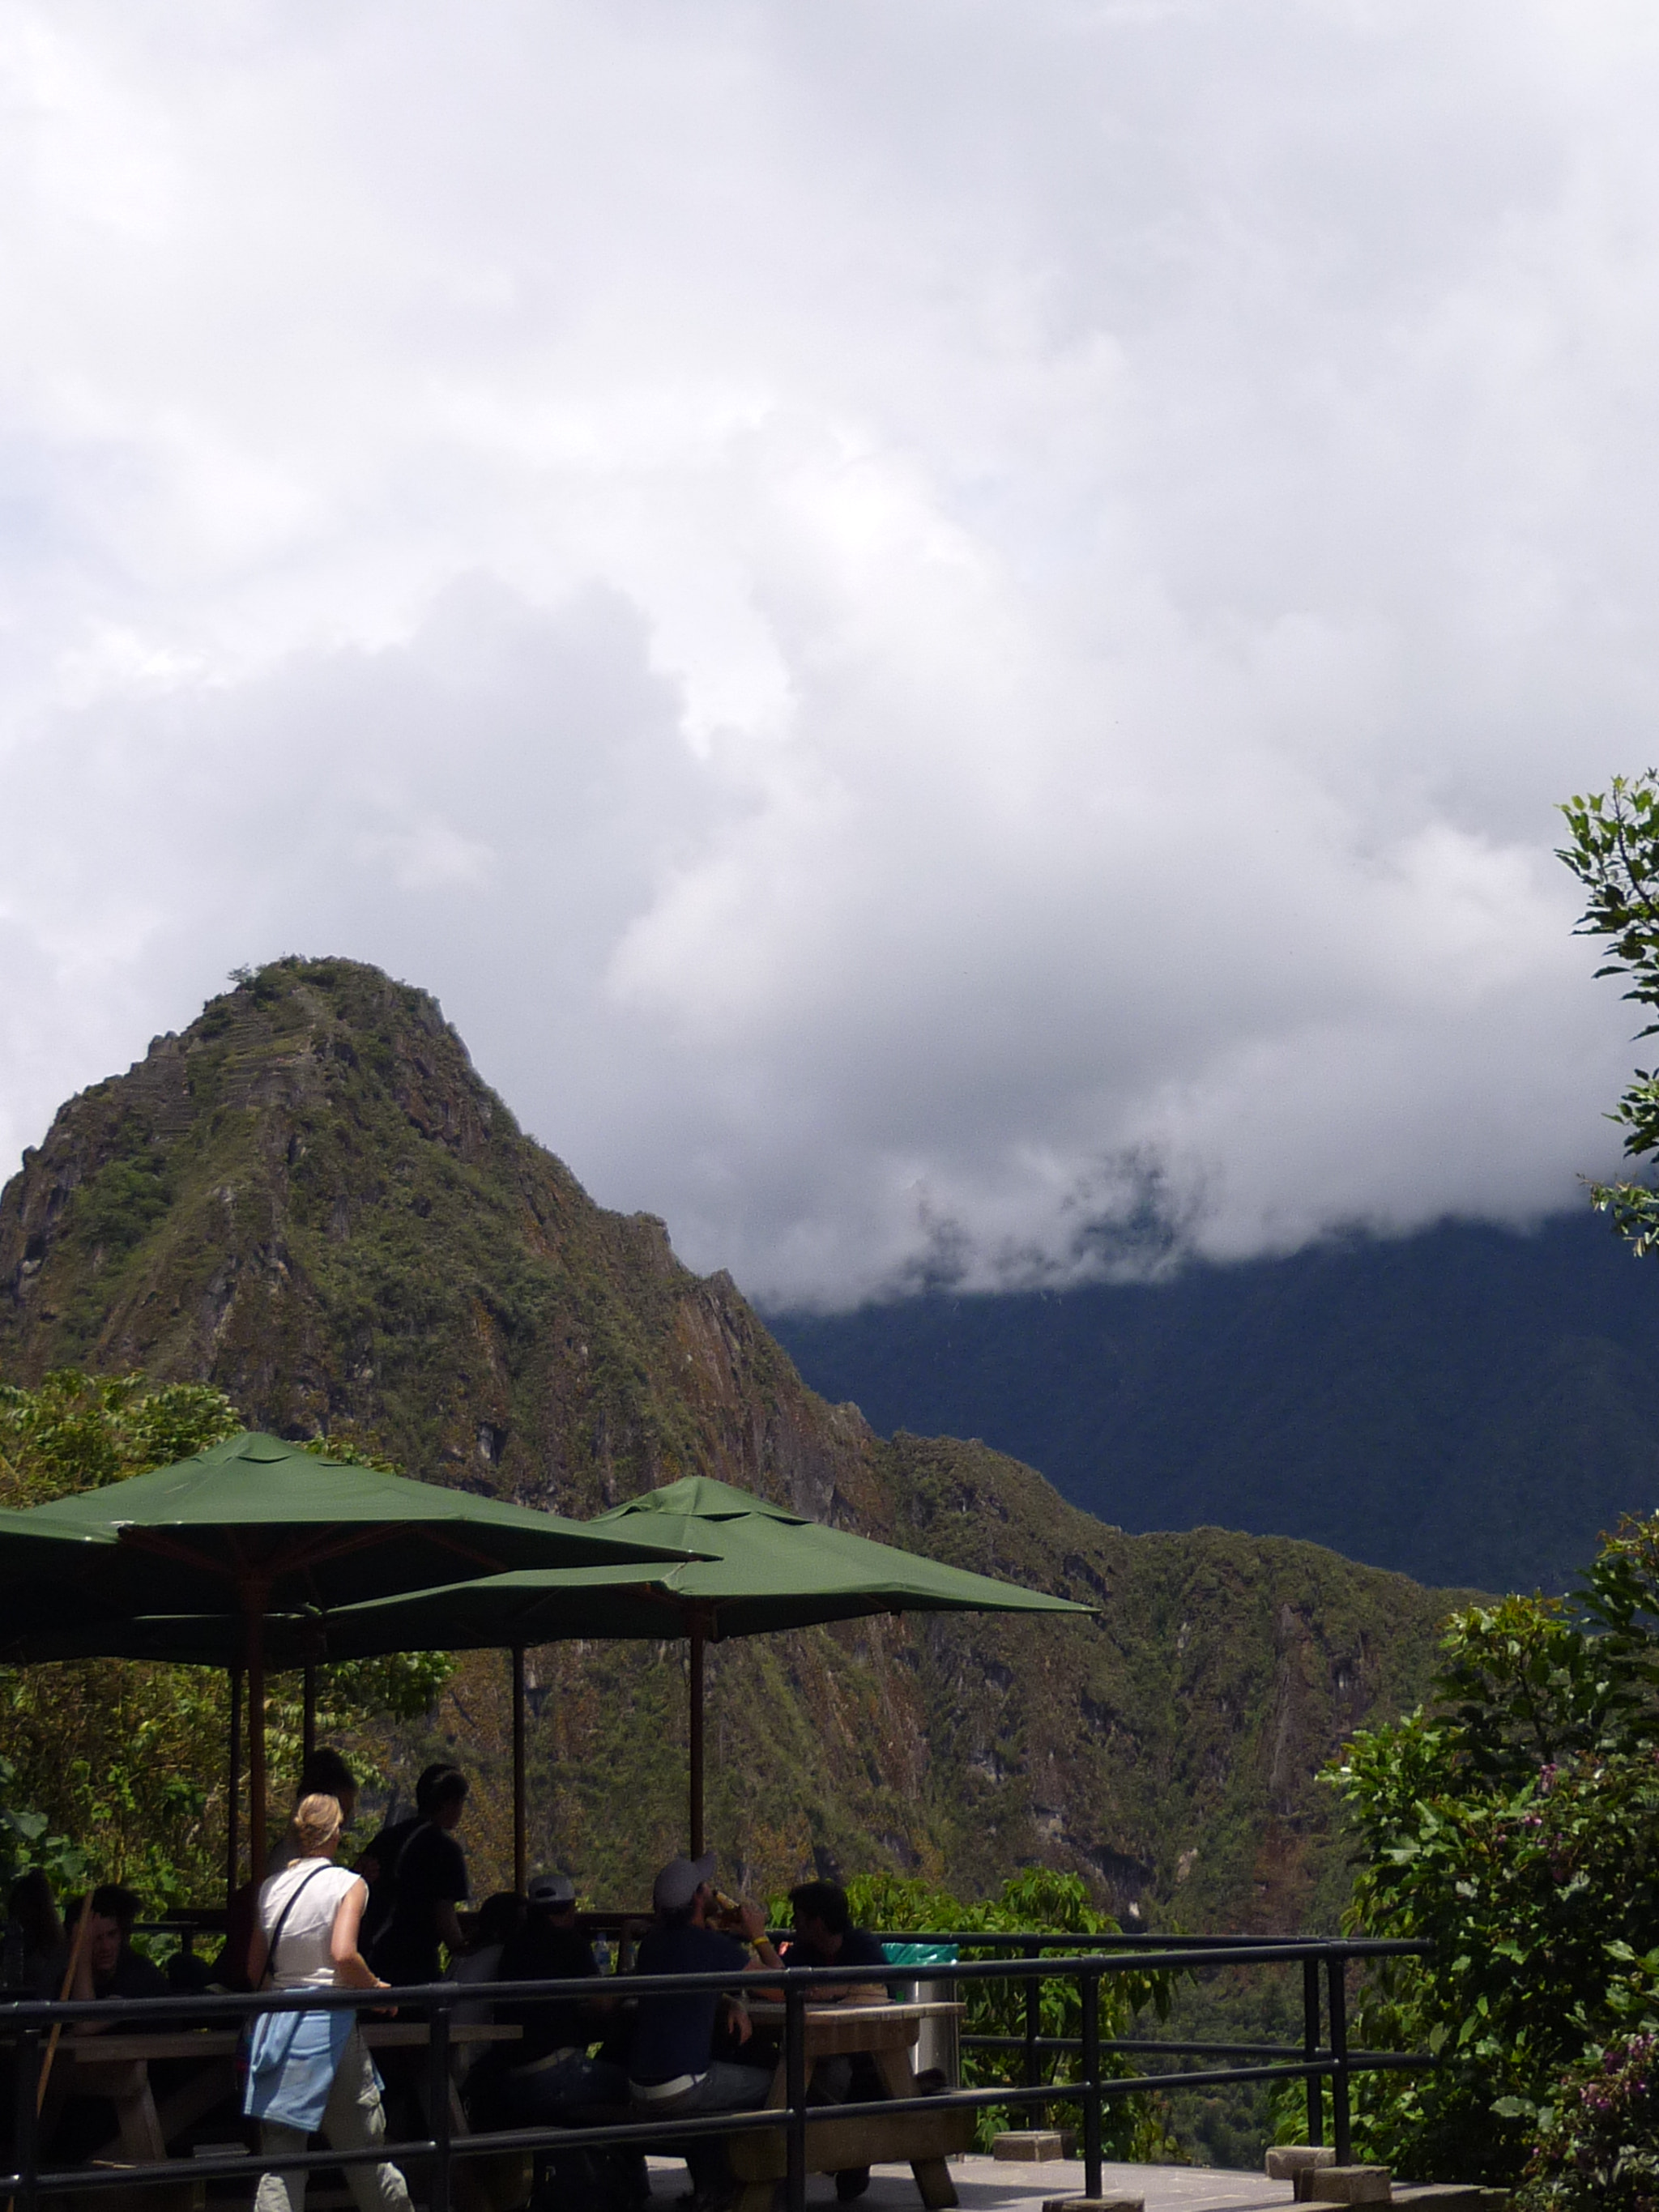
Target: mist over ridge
[(1467, 1405)]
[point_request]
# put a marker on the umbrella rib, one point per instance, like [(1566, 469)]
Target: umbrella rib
[(169, 1548)]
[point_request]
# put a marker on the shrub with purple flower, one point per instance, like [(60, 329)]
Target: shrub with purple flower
[(1598, 2141)]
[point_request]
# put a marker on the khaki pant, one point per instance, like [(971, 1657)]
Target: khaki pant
[(353, 2119)]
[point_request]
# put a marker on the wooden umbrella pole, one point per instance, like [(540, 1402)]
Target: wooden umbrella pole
[(82, 1928), (696, 1736), (258, 1842), (520, 1839), (233, 1795)]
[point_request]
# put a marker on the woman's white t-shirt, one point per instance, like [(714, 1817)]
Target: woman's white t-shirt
[(303, 1959)]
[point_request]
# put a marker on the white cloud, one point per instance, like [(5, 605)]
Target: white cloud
[(938, 626)]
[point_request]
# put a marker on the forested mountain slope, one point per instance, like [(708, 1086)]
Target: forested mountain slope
[(310, 1198), (1467, 1405)]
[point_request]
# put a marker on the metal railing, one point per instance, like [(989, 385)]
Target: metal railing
[(26, 2028)]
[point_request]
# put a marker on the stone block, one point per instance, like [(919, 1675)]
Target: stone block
[(1345, 2184), (1287, 2161), (1452, 2197), (1094, 2204), (1035, 2144)]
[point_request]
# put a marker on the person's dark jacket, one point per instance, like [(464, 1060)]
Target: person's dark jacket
[(542, 1953)]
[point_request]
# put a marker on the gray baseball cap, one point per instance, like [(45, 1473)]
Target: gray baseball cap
[(552, 1889), (680, 1882)]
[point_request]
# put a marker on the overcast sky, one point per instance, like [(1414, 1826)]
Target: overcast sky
[(938, 624)]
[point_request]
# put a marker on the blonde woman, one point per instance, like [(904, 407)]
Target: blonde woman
[(310, 2072)]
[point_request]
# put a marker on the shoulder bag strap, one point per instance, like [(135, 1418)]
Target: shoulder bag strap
[(281, 1921)]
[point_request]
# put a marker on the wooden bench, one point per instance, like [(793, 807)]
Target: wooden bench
[(887, 2034)]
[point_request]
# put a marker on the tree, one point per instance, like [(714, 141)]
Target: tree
[(1614, 853), (76, 1431), (1515, 1824)]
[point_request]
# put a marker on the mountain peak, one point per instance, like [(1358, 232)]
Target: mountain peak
[(311, 1198)]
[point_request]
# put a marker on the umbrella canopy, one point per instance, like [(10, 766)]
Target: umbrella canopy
[(44, 1573), (756, 1568), (256, 1519), (770, 1569), (255, 1526)]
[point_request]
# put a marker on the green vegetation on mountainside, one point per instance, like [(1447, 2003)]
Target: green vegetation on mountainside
[(1468, 1404), (310, 1201)]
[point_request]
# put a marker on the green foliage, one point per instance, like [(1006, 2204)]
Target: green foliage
[(1598, 2142), (1515, 1825), (76, 1431), (25, 1841), (127, 1758), (1614, 853), (1037, 1901)]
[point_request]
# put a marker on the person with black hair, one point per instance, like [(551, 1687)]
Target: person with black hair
[(825, 1937), (108, 1965), (34, 1951), (429, 1881), (74, 2122), (324, 1774), (378, 1861)]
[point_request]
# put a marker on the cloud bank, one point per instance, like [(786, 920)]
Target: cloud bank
[(948, 632)]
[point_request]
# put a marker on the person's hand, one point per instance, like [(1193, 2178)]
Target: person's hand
[(752, 1920), (739, 2020)]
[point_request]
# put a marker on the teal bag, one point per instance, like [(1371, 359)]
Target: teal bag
[(920, 1955), (915, 1955)]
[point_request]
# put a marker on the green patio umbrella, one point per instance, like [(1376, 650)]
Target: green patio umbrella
[(44, 1573), (767, 1568), (254, 1527)]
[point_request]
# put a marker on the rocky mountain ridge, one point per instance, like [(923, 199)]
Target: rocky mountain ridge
[(311, 1199)]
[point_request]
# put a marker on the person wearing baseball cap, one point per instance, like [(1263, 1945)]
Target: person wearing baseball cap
[(671, 2067), (549, 2070)]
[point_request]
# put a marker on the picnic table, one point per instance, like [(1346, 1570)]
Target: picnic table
[(117, 2066), (888, 2033)]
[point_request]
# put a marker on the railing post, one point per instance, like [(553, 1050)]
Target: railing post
[(794, 2079), (1033, 2030), (1337, 1991), (437, 2090), (1090, 1989), (26, 2130), (1310, 2049)]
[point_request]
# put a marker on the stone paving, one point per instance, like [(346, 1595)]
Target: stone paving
[(994, 2185)]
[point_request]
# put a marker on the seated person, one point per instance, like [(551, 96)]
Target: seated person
[(325, 1774), (492, 1927), (671, 2069), (34, 1954), (76, 2125), (825, 1936), (550, 2070), (429, 1881), (108, 1965)]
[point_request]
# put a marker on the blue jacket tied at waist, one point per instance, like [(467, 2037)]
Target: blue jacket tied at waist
[(293, 2058)]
